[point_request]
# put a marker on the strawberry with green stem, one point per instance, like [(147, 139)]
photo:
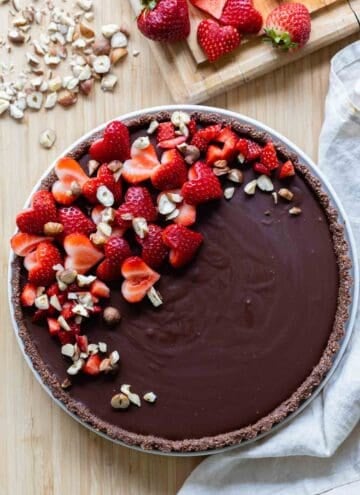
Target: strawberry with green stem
[(164, 20)]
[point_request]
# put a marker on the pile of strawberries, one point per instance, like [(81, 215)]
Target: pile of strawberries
[(288, 26), (124, 223)]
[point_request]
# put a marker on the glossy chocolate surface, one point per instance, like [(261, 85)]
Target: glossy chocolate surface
[(240, 329)]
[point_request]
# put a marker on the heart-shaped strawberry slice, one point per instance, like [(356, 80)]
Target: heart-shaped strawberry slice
[(82, 254), (216, 40), (23, 244), (40, 264), (71, 178), (203, 185), (115, 144), (138, 203), (139, 278), (43, 210), (183, 244), (142, 162)]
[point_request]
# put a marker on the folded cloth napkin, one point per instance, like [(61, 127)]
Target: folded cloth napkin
[(312, 454)]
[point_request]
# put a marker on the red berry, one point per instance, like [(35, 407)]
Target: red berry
[(115, 144), (268, 156), (81, 253), (248, 150), (216, 40), (116, 251), (204, 136), (70, 174), (153, 250), (74, 220), (165, 131), (242, 15), (183, 244), (164, 20), (205, 186), (287, 170), (138, 203), (42, 210), (261, 169), (172, 172), (104, 178), (46, 256), (212, 7), (288, 26), (139, 278), (28, 295), (92, 365), (228, 139)]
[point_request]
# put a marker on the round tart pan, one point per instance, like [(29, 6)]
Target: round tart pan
[(353, 274)]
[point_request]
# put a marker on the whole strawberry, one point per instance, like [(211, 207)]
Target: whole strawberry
[(216, 40), (164, 20), (242, 15), (288, 26)]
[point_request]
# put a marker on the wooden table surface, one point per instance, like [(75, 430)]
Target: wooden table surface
[(42, 450)]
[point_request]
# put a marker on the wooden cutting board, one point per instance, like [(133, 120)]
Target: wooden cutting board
[(192, 79)]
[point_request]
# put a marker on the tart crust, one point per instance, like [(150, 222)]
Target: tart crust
[(265, 424)]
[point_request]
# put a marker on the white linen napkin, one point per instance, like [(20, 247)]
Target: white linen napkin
[(310, 456)]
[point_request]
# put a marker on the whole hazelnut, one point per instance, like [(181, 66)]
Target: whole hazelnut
[(111, 316)]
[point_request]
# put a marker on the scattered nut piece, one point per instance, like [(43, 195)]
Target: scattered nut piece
[(236, 175), (86, 30), (250, 187), (229, 192), (178, 117), (16, 36), (53, 228), (4, 105), (83, 280), (102, 64), (67, 98), (150, 397), (141, 143), (140, 227), (275, 197), (85, 4), (105, 196), (173, 215), (154, 124), (120, 401), (76, 367), (101, 46), (134, 398), (68, 350), (286, 194), (93, 165), (67, 276), (102, 347), (55, 303), (80, 310), (264, 183), (108, 215), (64, 324), (16, 112), (191, 153), (295, 211), (119, 40), (117, 54), (109, 82), (42, 302), (47, 138), (155, 297), (175, 197), (221, 164), (108, 30), (87, 86), (114, 357), (111, 316), (50, 101), (66, 384), (165, 205), (221, 171)]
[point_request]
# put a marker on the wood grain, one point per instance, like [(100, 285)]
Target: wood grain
[(42, 450), (192, 82)]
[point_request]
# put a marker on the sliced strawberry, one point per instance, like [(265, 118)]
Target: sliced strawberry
[(183, 244), (139, 278), (67, 310), (187, 215), (248, 150), (138, 203), (104, 178), (153, 250), (82, 254), (28, 295), (205, 186), (74, 220), (268, 156), (165, 131), (23, 244), (204, 136), (287, 170), (115, 144), (229, 139), (41, 272), (71, 178), (141, 164), (99, 289), (261, 169), (82, 342), (30, 260), (65, 337), (116, 251), (54, 326), (42, 210), (92, 365), (172, 172), (212, 7), (172, 143), (192, 128)]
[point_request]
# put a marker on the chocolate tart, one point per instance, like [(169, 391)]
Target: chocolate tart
[(247, 333)]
